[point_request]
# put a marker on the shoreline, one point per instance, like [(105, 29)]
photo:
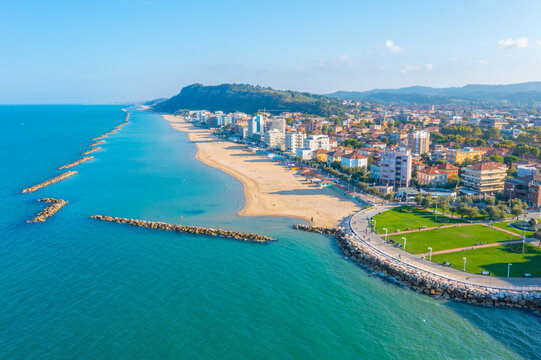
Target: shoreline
[(269, 189)]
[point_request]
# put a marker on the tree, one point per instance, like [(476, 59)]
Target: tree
[(363, 186), (427, 200), (496, 158), (418, 198), (472, 212), (516, 211), (462, 209)]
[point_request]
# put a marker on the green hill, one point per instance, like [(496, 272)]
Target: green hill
[(249, 99)]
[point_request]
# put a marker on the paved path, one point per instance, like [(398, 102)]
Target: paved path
[(456, 225), (528, 241), (363, 234)]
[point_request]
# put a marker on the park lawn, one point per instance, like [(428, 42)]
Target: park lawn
[(403, 217), (507, 226), (451, 238), (495, 260)]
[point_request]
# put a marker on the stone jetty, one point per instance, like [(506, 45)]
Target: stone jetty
[(428, 283), (56, 204), (188, 229), (116, 128), (96, 148), (56, 179), (75, 163), (97, 143)]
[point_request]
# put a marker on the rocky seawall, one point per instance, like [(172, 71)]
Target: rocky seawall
[(188, 229), (427, 283), (94, 149), (75, 163), (56, 204), (116, 128), (97, 143), (56, 179)]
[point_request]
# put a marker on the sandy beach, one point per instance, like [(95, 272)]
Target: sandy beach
[(269, 188)]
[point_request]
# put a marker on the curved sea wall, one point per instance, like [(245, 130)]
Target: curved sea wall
[(188, 229), (425, 282), (75, 163), (56, 179), (56, 204)]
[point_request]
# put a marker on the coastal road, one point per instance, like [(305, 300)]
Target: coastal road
[(363, 234)]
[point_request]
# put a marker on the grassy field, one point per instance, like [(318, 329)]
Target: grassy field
[(495, 260), (451, 238), (506, 225), (403, 217)]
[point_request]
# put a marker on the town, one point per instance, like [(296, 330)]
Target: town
[(397, 152)]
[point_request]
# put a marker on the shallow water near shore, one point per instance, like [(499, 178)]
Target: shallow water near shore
[(74, 287)]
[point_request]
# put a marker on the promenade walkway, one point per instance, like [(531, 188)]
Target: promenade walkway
[(363, 234), (528, 241)]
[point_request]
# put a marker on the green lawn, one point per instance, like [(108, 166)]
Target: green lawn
[(403, 217), (451, 238), (506, 225), (495, 260)]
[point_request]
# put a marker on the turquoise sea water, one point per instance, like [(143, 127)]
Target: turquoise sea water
[(75, 288)]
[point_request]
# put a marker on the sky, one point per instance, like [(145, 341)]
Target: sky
[(117, 51)]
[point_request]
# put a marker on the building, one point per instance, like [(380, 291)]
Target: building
[(304, 153), (294, 141), (374, 172), (316, 142), (437, 175), (484, 178), (419, 142), (274, 138), (526, 188), (334, 156), (276, 124), (395, 167), (321, 155), (528, 169), (354, 160), (256, 125), (458, 156)]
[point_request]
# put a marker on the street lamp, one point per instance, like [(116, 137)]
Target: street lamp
[(386, 234), (464, 263), (430, 255), (403, 238), (508, 268)]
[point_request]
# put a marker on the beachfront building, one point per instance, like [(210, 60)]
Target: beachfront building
[(256, 125), (316, 142), (354, 160), (458, 156), (395, 167), (294, 141), (321, 155), (419, 142), (526, 188), (484, 178), (304, 153), (274, 138)]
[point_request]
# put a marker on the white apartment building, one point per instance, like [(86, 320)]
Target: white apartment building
[(316, 142), (395, 167), (276, 124), (419, 142), (274, 138), (294, 141)]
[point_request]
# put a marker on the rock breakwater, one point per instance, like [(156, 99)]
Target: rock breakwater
[(188, 229), (56, 204), (428, 283), (94, 149), (116, 128), (56, 179), (75, 163), (97, 143)]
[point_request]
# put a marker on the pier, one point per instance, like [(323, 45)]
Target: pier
[(96, 148), (75, 163), (56, 179), (197, 230), (56, 204)]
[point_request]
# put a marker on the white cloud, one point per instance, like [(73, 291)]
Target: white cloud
[(392, 46), (519, 43), (429, 67), (482, 62), (409, 68), (452, 60)]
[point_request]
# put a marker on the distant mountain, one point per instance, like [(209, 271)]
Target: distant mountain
[(249, 99), (155, 101), (518, 94)]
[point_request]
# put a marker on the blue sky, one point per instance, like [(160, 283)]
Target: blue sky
[(106, 51)]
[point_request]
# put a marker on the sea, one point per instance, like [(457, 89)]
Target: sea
[(77, 288)]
